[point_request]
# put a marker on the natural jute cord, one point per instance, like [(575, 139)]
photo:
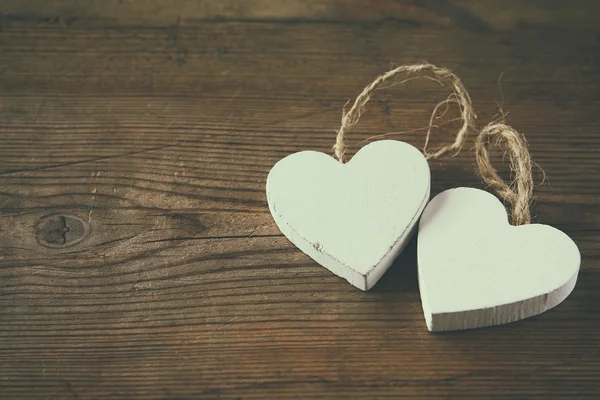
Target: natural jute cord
[(520, 193), (443, 76)]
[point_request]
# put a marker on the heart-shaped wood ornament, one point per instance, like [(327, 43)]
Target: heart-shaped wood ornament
[(476, 270), (353, 218)]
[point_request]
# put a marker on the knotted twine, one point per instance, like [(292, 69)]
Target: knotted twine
[(519, 193)]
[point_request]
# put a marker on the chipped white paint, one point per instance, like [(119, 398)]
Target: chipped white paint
[(476, 270), (353, 218)]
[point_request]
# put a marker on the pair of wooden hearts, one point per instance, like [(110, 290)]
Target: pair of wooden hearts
[(474, 268)]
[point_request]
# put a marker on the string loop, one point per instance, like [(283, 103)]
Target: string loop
[(443, 76), (520, 192)]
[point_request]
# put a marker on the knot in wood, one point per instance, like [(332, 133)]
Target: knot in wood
[(60, 230)]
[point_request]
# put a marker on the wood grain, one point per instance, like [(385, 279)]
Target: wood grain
[(157, 129)]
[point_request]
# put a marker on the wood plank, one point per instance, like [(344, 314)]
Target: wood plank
[(159, 140), (472, 15)]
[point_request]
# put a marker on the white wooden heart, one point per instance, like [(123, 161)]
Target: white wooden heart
[(476, 270), (353, 218)]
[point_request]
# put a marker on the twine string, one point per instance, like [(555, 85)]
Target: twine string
[(519, 193), (443, 76)]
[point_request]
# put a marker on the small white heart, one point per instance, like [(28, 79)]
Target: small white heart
[(476, 270), (353, 218)]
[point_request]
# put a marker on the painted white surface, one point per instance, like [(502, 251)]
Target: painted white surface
[(476, 270), (353, 218)]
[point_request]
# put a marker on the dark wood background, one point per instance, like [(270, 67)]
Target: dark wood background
[(138, 258)]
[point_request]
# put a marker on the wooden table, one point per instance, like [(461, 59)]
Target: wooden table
[(139, 260)]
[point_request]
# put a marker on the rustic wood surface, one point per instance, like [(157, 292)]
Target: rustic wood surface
[(138, 258)]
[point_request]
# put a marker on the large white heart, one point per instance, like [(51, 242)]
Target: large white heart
[(353, 218), (476, 270)]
